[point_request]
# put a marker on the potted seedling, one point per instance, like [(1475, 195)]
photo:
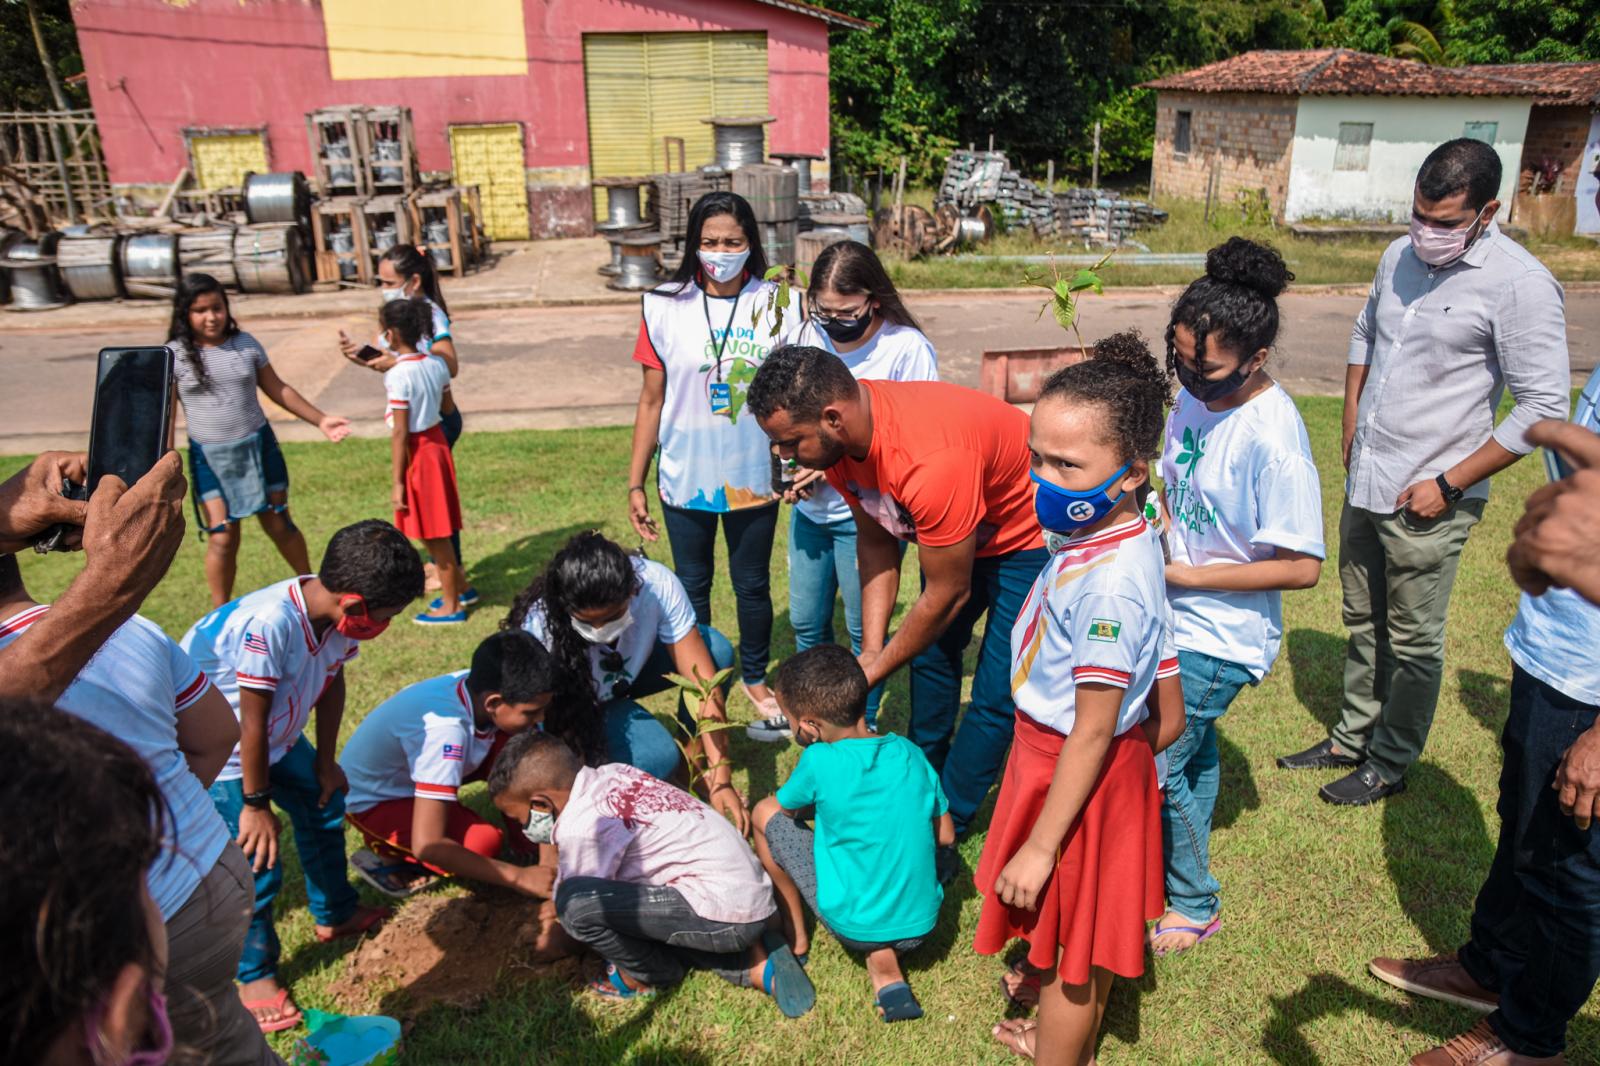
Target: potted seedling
[(1017, 374)]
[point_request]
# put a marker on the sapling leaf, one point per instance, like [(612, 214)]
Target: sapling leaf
[(1086, 279), (772, 272)]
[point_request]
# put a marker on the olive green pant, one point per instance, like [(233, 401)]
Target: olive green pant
[(1396, 571)]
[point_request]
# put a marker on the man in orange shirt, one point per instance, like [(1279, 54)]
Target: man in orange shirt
[(945, 468)]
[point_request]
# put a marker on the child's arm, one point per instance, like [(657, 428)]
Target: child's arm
[(397, 454), (280, 392), (429, 819), (1285, 570), (258, 826), (1083, 754), (1165, 722), (330, 712), (944, 829)]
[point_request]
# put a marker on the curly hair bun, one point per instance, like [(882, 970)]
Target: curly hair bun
[(1256, 266), (1129, 349)]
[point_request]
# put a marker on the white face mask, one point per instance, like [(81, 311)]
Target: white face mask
[(540, 827), (391, 295), (723, 266), (607, 633)]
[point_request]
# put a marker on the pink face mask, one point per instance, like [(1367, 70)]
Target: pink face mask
[(1440, 247), (160, 1031)]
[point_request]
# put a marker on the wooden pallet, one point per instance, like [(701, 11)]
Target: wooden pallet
[(383, 212), (355, 266), (457, 208), (390, 125), (338, 175)]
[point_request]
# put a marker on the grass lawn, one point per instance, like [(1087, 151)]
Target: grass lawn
[(1348, 261), (1310, 892)]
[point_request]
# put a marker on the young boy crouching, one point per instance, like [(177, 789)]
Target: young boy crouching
[(867, 869), (409, 758), (648, 876)]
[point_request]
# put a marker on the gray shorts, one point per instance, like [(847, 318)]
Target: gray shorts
[(791, 845)]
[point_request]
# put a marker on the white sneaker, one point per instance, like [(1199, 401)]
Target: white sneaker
[(772, 730)]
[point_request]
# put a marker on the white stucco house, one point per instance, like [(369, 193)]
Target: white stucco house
[(1340, 135)]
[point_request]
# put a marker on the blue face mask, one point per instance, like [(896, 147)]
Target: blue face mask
[(1067, 511)]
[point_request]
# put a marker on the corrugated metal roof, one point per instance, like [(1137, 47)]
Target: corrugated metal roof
[(1341, 72)]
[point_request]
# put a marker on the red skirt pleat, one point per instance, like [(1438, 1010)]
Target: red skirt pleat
[(1107, 883), (433, 509)]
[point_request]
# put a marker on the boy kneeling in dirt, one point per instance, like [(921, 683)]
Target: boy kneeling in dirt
[(621, 836), (411, 755)]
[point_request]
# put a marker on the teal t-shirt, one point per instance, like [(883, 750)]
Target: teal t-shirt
[(876, 799)]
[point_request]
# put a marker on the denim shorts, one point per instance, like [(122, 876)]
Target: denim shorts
[(207, 486)]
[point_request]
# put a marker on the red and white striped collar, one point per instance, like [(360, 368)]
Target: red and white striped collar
[(22, 619), (466, 704), (410, 357), (298, 599), (1107, 537)]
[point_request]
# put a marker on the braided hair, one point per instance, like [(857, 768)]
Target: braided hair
[(1236, 302)]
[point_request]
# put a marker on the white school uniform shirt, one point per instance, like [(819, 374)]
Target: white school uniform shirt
[(421, 742), (894, 353), (713, 457), (134, 688), (264, 641), (415, 386), (661, 613), (1096, 613), (1240, 484)]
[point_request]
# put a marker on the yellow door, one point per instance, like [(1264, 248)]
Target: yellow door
[(221, 160), (491, 158), (643, 87)]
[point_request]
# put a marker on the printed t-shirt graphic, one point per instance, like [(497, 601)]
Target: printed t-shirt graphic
[(946, 462), (1240, 484), (421, 742), (1096, 613), (264, 641), (713, 456)]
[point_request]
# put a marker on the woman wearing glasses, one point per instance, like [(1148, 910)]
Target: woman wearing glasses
[(703, 334), (857, 315), (616, 625)]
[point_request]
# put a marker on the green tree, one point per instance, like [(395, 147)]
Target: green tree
[(22, 82), (1528, 31)]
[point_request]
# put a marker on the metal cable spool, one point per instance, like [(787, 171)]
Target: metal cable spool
[(388, 149), (800, 163), (622, 205), (8, 236), (150, 265), (639, 262), (208, 251), (282, 196), (339, 175), (739, 141), (35, 281), (270, 259), (385, 237), (91, 266), (437, 236)]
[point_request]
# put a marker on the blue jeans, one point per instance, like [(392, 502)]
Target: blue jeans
[(1209, 686), (969, 763), (633, 734), (748, 533), (319, 840), (1536, 925), (822, 561)]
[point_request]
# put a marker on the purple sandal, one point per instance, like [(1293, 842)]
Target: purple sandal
[(1204, 933)]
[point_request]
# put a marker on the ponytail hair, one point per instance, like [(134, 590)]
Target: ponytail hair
[(409, 263), (1236, 302), (190, 288)]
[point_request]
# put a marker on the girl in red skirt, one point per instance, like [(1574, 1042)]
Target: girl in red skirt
[(426, 505), (1073, 859)]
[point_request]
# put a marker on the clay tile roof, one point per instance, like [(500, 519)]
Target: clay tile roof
[(1560, 83), (828, 15), (1341, 72)]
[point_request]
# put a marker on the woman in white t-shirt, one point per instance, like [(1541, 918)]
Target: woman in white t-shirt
[(616, 625), (1244, 510), (703, 335), (856, 314)]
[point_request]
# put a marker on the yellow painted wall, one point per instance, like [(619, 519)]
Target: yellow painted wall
[(424, 38), (491, 158), (222, 160)]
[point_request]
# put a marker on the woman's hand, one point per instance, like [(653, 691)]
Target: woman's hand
[(398, 496), (1023, 878), (730, 804), (349, 348), (639, 515), (335, 427)]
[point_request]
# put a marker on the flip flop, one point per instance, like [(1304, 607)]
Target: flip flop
[(396, 880), (614, 988), (897, 1003), (772, 941), (287, 1021), (369, 919), (1204, 933), (1029, 981), (786, 982), (1010, 1033)]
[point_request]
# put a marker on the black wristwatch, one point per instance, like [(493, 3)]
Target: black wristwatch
[(1451, 493)]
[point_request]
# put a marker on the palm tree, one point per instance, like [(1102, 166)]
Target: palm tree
[(1409, 39)]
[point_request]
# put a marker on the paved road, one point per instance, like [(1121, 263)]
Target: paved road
[(561, 366)]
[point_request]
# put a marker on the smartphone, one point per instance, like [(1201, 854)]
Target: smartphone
[(132, 424), (368, 353), (1556, 465)]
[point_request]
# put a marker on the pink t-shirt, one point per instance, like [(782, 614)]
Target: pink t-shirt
[(621, 824)]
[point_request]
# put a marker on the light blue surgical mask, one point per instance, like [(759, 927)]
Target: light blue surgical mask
[(540, 827), (1068, 510)]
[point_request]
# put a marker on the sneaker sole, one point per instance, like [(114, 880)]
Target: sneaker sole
[(1428, 992)]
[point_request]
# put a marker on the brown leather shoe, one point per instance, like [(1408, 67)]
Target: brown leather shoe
[(1479, 1046), (1441, 977)]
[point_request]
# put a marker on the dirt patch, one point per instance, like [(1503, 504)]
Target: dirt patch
[(454, 950)]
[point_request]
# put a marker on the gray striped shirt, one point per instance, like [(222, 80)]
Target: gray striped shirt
[(225, 407)]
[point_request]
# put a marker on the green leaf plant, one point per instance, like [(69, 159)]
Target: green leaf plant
[(1063, 301), (696, 693)]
